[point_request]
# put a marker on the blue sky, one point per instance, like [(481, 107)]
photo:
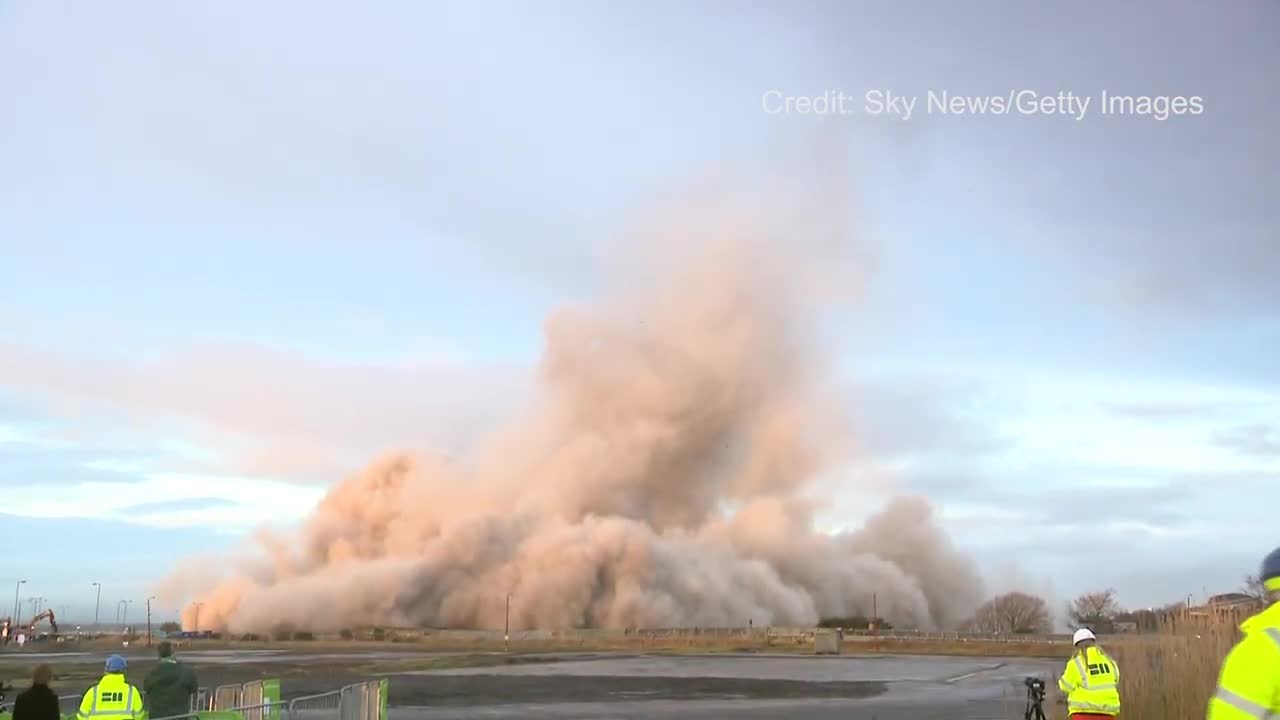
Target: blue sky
[(244, 247)]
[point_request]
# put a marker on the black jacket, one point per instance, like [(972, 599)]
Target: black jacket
[(37, 703)]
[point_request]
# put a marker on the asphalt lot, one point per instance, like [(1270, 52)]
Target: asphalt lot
[(916, 688), (624, 686)]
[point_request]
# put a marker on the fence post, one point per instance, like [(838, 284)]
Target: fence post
[(344, 704)]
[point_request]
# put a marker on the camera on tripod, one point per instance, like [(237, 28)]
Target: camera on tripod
[(1035, 698)]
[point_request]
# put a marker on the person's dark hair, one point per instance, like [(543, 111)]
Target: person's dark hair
[(42, 675), (166, 649)]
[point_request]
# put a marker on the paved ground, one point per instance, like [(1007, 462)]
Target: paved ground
[(913, 687), (666, 687)]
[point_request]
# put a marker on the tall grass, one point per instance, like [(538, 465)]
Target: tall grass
[(1170, 674)]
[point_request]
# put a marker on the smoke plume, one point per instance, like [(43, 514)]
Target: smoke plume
[(666, 476)]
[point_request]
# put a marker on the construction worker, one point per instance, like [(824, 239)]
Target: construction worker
[(1249, 681), (1091, 680), (113, 698)]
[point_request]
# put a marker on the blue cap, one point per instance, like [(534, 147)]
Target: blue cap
[(116, 663)]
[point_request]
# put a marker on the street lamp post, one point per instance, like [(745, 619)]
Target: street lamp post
[(16, 588), (153, 597), (506, 633)]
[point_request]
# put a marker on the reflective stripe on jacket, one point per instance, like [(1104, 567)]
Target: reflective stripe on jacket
[(1091, 682), (1249, 682), (112, 699)]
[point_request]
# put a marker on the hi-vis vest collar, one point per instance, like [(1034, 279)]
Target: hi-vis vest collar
[(1270, 617)]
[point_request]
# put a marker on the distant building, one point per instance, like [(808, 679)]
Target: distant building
[(1233, 599), (1232, 604)]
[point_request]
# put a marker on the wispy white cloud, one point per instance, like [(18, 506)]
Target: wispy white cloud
[(228, 502), (976, 514), (1154, 410), (1075, 420), (247, 409), (1258, 442)]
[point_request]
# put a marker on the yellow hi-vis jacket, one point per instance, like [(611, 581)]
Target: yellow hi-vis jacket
[(112, 699), (1249, 682), (1091, 682)]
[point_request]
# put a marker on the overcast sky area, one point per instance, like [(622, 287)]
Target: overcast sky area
[(246, 247)]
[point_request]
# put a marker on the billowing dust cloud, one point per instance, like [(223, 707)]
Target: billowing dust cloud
[(663, 477)]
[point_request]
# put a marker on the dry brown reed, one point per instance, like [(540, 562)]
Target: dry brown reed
[(1170, 674)]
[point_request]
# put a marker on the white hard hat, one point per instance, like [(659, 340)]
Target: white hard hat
[(1081, 635)]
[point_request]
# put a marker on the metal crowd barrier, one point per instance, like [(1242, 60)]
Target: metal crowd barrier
[(226, 697), (252, 700), (322, 705), (260, 709), (359, 701), (362, 701), (251, 696)]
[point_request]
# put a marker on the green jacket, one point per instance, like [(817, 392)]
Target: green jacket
[(170, 688)]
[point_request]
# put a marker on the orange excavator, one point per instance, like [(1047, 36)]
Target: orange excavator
[(9, 630), (53, 621)]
